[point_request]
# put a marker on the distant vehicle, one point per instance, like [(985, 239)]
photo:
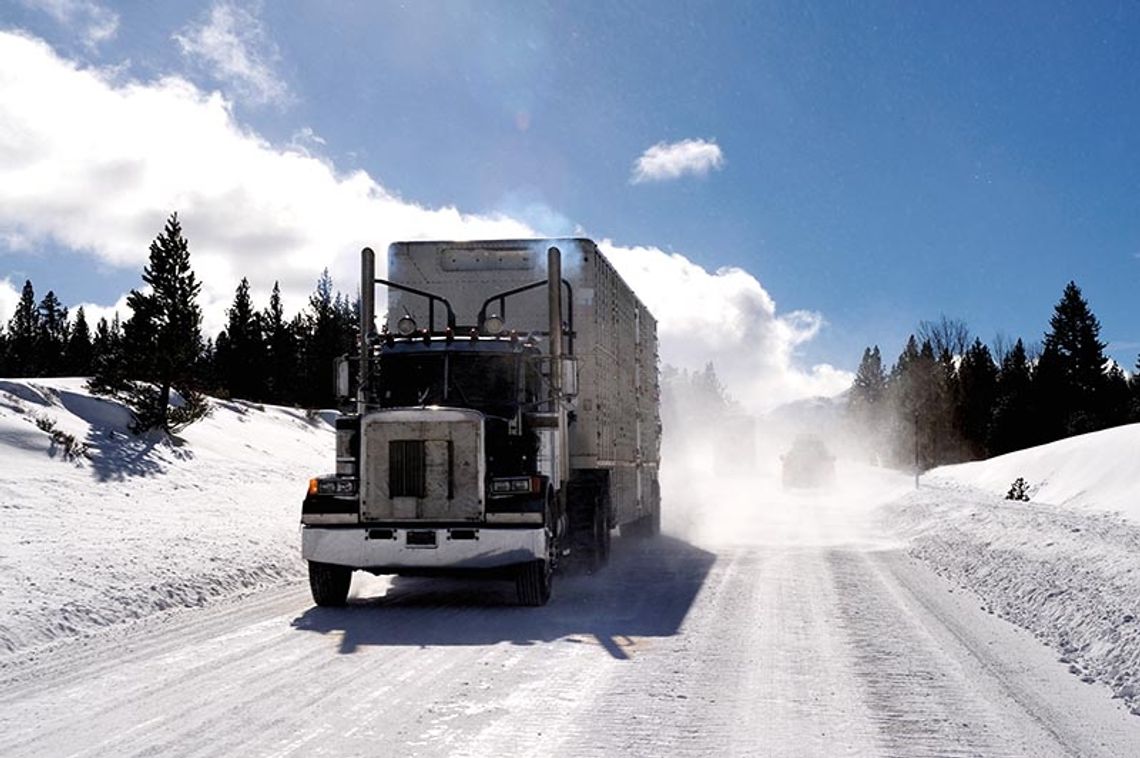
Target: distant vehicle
[(808, 463)]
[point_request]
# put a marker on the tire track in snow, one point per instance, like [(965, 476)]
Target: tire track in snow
[(755, 670), (927, 696), (767, 650)]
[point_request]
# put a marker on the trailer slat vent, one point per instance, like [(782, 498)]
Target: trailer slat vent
[(407, 467)]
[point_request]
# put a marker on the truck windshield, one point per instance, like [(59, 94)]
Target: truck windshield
[(483, 381)]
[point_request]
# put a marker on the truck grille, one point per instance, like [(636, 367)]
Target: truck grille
[(407, 465), (421, 464)]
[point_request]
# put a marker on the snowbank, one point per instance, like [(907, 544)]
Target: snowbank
[(1098, 471), (1065, 566), (101, 527)]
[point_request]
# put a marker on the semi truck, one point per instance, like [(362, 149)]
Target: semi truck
[(504, 420)]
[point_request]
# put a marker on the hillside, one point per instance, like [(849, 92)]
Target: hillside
[(130, 525)]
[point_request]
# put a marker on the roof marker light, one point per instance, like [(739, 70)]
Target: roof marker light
[(406, 326), (493, 324)]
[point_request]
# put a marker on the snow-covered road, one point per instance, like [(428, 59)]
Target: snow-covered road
[(801, 634)]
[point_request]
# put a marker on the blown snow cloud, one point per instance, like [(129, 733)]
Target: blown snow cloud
[(728, 318), (104, 184), (664, 162)]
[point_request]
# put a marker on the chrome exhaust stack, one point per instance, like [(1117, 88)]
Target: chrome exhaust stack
[(554, 289), (367, 323)]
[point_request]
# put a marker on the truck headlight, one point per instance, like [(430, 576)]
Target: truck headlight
[(515, 485), (337, 486)]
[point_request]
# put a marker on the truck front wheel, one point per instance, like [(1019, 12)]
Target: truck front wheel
[(329, 583), (534, 580), (532, 583)]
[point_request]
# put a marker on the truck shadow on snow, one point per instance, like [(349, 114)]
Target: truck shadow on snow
[(645, 591)]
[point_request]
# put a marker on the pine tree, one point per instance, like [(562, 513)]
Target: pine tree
[(108, 368), (162, 341), (870, 379), (51, 342), (207, 369), (78, 355), (1012, 426), (240, 356), (329, 332), (4, 369), (977, 394), (1134, 412), (1071, 381), (940, 440), (23, 335), (281, 350), (1116, 400), (903, 402), (920, 404), (866, 403)]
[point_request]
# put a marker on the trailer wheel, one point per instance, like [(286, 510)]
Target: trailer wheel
[(532, 583), (646, 527), (655, 494), (589, 510), (329, 583), (602, 535), (649, 525)]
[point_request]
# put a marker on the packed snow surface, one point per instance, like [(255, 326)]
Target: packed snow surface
[(153, 601)]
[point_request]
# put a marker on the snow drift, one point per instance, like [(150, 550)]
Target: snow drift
[(1065, 565), (1098, 471)]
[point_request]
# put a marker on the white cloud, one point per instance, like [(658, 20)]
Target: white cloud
[(104, 185), (306, 141), (94, 23), (663, 162), (233, 45), (728, 318), (94, 311), (9, 299)]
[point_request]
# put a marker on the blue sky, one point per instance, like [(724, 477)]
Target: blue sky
[(878, 163)]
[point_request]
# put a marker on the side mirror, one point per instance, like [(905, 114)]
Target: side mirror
[(343, 379), (570, 377)]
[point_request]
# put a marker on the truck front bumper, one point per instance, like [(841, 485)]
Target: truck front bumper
[(390, 550)]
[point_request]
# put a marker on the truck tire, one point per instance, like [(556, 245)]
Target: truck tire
[(533, 582), (602, 535), (646, 527), (329, 583), (588, 506)]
